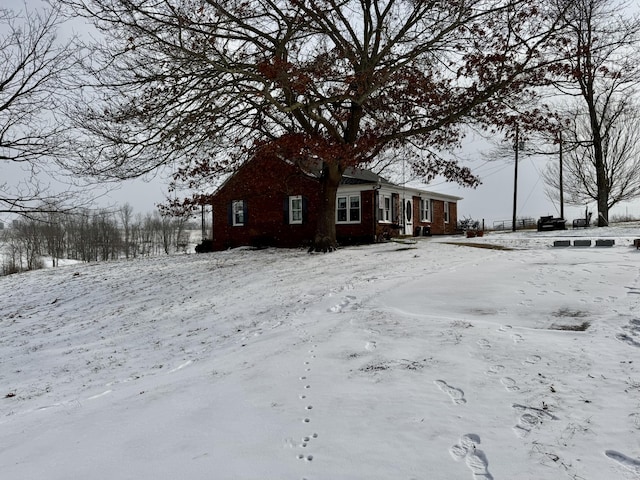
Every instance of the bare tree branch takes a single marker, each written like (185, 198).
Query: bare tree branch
(202, 82)
(34, 69)
(602, 71)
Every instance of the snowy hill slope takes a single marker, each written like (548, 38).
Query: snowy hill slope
(377, 362)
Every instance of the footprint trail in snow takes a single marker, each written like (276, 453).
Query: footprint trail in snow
(476, 460)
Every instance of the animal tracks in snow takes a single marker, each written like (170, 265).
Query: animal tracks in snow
(516, 337)
(476, 460)
(456, 395)
(627, 462)
(308, 408)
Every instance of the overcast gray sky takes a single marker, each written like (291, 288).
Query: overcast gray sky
(491, 201)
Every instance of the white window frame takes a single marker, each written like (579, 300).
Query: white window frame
(384, 205)
(348, 198)
(237, 213)
(446, 212)
(292, 211)
(426, 202)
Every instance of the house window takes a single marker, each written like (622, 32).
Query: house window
(348, 209)
(384, 208)
(446, 212)
(425, 210)
(237, 212)
(295, 209)
(354, 209)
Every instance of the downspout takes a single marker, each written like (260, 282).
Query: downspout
(376, 202)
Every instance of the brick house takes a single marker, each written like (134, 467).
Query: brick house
(271, 202)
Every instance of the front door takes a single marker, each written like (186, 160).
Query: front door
(408, 217)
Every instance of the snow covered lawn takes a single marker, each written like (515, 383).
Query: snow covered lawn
(433, 361)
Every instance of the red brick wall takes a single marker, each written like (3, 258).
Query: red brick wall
(363, 232)
(453, 218)
(264, 184)
(416, 215)
(438, 225)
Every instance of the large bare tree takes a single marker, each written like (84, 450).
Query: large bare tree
(34, 64)
(342, 82)
(602, 72)
(620, 158)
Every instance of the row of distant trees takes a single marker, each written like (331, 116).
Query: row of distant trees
(90, 236)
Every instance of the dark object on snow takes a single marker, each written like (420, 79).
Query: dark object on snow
(582, 243)
(321, 244)
(422, 231)
(205, 246)
(551, 223)
(562, 243)
(605, 242)
(583, 222)
(580, 223)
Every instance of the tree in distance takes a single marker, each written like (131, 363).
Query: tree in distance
(620, 159)
(600, 74)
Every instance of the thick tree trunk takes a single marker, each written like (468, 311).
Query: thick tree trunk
(603, 202)
(325, 237)
(602, 184)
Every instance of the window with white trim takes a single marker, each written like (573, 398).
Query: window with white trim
(425, 210)
(384, 207)
(446, 212)
(237, 212)
(348, 209)
(295, 209)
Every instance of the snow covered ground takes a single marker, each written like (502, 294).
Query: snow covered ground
(390, 361)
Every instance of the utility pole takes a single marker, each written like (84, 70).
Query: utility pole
(516, 147)
(561, 186)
